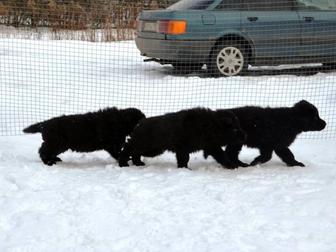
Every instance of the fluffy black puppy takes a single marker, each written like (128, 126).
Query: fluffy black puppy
(274, 129)
(102, 130)
(183, 132)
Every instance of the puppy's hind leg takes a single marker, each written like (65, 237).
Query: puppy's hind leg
(182, 158)
(287, 156)
(265, 155)
(48, 153)
(221, 157)
(233, 153)
(136, 159)
(114, 151)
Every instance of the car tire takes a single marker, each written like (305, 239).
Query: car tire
(330, 65)
(186, 67)
(228, 59)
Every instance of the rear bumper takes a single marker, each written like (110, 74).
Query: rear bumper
(175, 50)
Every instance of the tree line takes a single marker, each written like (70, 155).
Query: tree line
(75, 14)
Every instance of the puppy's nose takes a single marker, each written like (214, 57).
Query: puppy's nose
(323, 124)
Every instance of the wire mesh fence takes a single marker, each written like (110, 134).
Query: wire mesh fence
(62, 57)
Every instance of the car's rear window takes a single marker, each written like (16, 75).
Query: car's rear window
(311, 5)
(191, 5)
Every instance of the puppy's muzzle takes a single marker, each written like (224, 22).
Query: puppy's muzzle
(321, 125)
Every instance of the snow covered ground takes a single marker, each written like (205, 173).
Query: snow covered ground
(88, 203)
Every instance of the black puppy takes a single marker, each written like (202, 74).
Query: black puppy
(102, 130)
(273, 129)
(183, 132)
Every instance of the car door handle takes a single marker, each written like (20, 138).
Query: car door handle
(308, 19)
(252, 19)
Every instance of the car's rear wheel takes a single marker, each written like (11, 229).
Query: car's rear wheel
(228, 59)
(330, 65)
(186, 67)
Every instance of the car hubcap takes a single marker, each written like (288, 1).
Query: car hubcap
(230, 61)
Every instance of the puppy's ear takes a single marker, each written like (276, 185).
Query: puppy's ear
(133, 114)
(306, 108)
(302, 104)
(225, 117)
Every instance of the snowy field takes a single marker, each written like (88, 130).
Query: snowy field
(88, 203)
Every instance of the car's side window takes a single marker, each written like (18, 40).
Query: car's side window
(317, 5)
(270, 5)
(230, 5)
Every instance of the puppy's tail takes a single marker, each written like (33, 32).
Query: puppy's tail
(35, 128)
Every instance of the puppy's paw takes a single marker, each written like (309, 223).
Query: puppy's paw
(50, 162)
(183, 166)
(254, 163)
(230, 166)
(123, 164)
(57, 159)
(242, 164)
(139, 163)
(296, 164)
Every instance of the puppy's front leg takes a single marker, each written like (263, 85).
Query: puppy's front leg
(125, 155)
(182, 158)
(288, 157)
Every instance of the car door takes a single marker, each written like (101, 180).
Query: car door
(274, 28)
(318, 20)
(228, 17)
